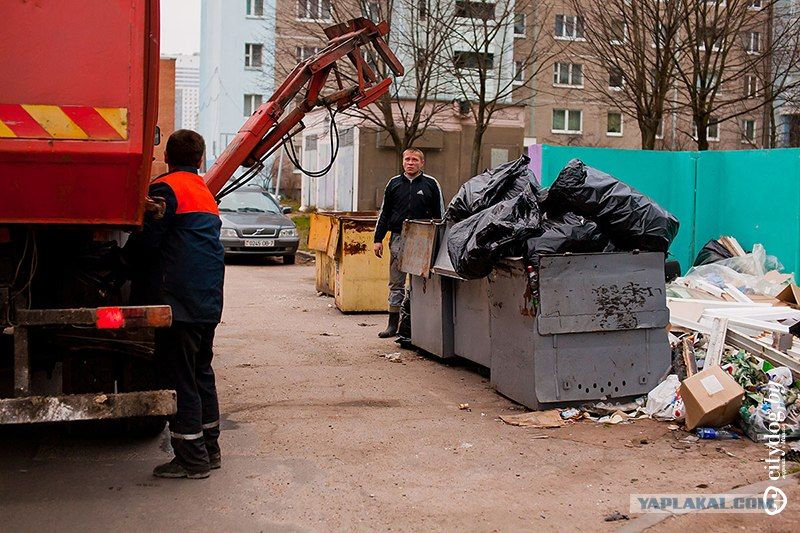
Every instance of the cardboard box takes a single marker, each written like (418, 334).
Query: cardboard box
(790, 295)
(712, 398)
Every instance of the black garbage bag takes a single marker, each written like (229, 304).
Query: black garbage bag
(565, 233)
(630, 219)
(712, 252)
(489, 188)
(477, 243)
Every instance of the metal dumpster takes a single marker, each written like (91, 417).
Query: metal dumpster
(598, 331)
(449, 315)
(432, 300)
(346, 268)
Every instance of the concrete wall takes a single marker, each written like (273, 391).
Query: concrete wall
(447, 158)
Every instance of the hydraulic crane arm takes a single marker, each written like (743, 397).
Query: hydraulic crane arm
(268, 127)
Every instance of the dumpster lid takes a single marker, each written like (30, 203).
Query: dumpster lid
(420, 241)
(601, 292)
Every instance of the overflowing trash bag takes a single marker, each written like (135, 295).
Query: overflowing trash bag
(712, 252)
(476, 243)
(491, 187)
(630, 219)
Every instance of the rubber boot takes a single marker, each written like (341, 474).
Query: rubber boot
(391, 329)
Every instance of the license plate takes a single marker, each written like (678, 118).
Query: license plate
(259, 243)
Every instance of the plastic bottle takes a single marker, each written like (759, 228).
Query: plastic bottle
(713, 433)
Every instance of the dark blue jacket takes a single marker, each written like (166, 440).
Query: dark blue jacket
(178, 260)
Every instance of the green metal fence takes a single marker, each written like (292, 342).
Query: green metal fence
(753, 195)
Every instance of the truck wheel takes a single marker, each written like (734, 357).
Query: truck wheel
(288, 259)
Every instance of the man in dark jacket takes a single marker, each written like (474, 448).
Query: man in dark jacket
(178, 260)
(410, 196)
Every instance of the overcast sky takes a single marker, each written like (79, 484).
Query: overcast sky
(180, 26)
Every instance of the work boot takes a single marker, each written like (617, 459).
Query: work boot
(215, 461)
(391, 329)
(174, 469)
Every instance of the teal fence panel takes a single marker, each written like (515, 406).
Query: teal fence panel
(666, 177)
(753, 195)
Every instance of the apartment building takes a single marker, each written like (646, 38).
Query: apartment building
(237, 66)
(187, 91)
(579, 101)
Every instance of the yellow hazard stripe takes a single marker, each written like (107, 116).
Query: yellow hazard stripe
(55, 121)
(117, 117)
(5, 131)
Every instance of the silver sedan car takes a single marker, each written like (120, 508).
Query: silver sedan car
(254, 224)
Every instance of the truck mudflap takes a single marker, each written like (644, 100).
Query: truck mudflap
(69, 408)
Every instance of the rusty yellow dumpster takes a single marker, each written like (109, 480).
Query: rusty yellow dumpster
(346, 266)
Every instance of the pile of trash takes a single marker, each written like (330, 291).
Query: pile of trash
(734, 317)
(501, 212)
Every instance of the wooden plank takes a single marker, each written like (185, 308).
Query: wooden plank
(736, 294)
(39, 409)
(761, 325)
(689, 358)
(716, 343)
(719, 303)
(689, 324)
(741, 341)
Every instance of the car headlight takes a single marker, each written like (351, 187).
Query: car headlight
(227, 233)
(288, 232)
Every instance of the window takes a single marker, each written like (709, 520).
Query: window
(422, 7)
(708, 35)
(304, 52)
(754, 4)
(473, 61)
(712, 131)
(617, 32)
(615, 79)
(252, 55)
(255, 8)
(519, 71)
(251, 103)
(519, 24)
(475, 10)
(568, 74)
(748, 130)
(569, 27)
(314, 9)
(614, 124)
(753, 42)
(750, 86)
(567, 120)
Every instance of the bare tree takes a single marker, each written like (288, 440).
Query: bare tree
(489, 73)
(411, 106)
(632, 47)
(733, 61)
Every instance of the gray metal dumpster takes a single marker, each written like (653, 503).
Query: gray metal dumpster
(449, 315)
(598, 330)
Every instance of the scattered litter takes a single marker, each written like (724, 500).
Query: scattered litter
(540, 436)
(326, 334)
(464, 407)
(673, 427)
(720, 449)
(366, 325)
(571, 413)
(616, 516)
(466, 445)
(690, 439)
(102, 398)
(664, 401)
(535, 419)
(716, 434)
(395, 357)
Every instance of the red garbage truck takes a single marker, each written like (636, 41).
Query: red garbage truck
(78, 106)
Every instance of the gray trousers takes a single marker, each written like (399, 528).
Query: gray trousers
(397, 279)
